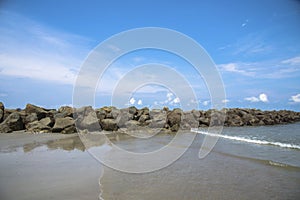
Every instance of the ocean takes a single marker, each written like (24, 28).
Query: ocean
(246, 163)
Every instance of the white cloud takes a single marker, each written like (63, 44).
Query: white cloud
(262, 97)
(205, 103)
(140, 102)
(132, 101)
(176, 100)
(169, 96)
(31, 50)
(295, 98)
(225, 101)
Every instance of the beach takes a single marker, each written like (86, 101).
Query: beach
(56, 166)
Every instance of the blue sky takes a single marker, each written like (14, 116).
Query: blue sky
(255, 45)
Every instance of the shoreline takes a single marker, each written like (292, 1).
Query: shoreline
(67, 120)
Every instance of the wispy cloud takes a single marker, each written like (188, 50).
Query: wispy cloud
(237, 68)
(251, 44)
(292, 61)
(34, 51)
(3, 95)
(271, 69)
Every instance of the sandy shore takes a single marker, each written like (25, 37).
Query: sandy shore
(46, 166)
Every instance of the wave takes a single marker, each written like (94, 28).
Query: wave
(253, 141)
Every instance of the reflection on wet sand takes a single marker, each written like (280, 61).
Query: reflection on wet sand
(80, 142)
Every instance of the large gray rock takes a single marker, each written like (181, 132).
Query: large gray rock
(30, 118)
(109, 124)
(132, 125)
(89, 122)
(174, 119)
(63, 123)
(12, 123)
(158, 119)
(86, 119)
(189, 120)
(40, 112)
(124, 117)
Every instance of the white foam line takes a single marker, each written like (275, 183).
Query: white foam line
(242, 139)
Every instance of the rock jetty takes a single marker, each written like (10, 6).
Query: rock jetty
(67, 120)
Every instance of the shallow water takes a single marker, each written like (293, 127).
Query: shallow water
(62, 168)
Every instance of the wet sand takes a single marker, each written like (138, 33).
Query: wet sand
(46, 166)
(55, 166)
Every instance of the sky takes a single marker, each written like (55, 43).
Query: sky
(255, 46)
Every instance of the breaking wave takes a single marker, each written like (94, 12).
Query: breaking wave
(253, 141)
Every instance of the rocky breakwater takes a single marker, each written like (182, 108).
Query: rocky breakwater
(67, 120)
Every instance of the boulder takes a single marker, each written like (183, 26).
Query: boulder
(156, 123)
(12, 123)
(217, 118)
(143, 118)
(189, 121)
(47, 121)
(7, 112)
(66, 111)
(109, 124)
(86, 119)
(113, 114)
(123, 117)
(158, 119)
(132, 110)
(37, 126)
(1, 112)
(40, 112)
(233, 120)
(89, 122)
(69, 130)
(174, 117)
(63, 123)
(30, 118)
(132, 125)
(204, 121)
(143, 111)
(101, 114)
